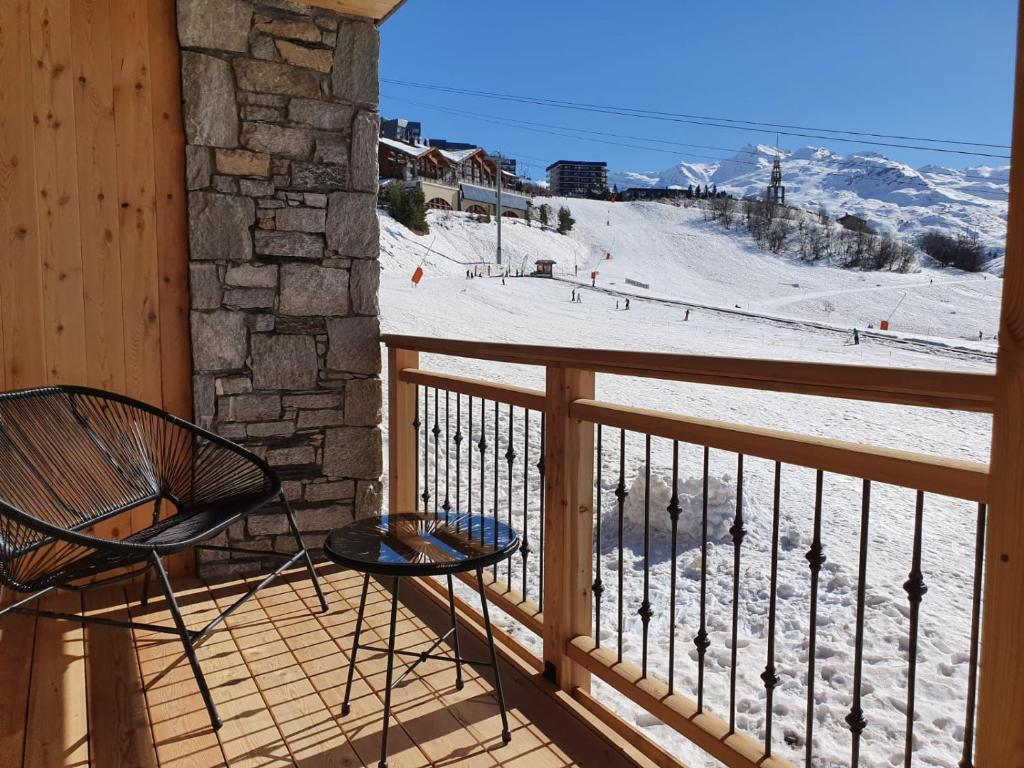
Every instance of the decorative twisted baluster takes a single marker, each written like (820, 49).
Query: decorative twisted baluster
(524, 550)
(673, 516)
(540, 537)
(426, 450)
(620, 494)
(482, 446)
(458, 459)
(700, 640)
(436, 431)
(967, 758)
(815, 559)
(738, 533)
(855, 719)
(447, 505)
(416, 445)
(510, 458)
(645, 611)
(598, 588)
(768, 677)
(915, 588)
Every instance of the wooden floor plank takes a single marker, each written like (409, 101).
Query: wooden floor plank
(181, 728)
(120, 735)
(17, 636)
(310, 732)
(57, 729)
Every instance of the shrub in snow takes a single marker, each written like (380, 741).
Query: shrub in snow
(721, 509)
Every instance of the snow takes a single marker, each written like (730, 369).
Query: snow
(891, 195)
(787, 310)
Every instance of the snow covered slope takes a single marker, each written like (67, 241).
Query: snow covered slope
(889, 194)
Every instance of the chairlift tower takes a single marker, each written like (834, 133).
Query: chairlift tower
(776, 192)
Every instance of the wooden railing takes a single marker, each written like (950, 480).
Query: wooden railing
(565, 615)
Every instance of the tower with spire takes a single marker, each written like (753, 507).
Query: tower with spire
(776, 192)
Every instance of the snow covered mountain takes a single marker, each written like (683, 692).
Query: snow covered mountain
(891, 195)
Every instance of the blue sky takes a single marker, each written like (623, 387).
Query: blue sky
(930, 68)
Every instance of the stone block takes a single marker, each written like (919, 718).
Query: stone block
(208, 93)
(326, 400)
(369, 496)
(308, 289)
(319, 59)
(302, 219)
(255, 112)
(356, 59)
(284, 362)
(249, 298)
(353, 452)
(267, 525)
(227, 185)
(322, 115)
(255, 188)
(364, 285)
(250, 407)
(277, 140)
(295, 245)
(292, 457)
(198, 167)
(322, 176)
(278, 78)
(217, 24)
(252, 276)
(315, 199)
(239, 162)
(363, 157)
(233, 385)
(293, 30)
(271, 429)
(337, 491)
(262, 47)
(320, 518)
(219, 226)
(204, 398)
(362, 402)
(218, 340)
(352, 226)
(331, 149)
(320, 418)
(204, 286)
(259, 323)
(354, 345)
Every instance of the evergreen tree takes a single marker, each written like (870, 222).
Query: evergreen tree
(565, 220)
(689, 192)
(545, 214)
(528, 215)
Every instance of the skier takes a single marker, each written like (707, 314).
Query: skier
(573, 295)
(577, 268)
(686, 316)
(488, 270)
(856, 337)
(981, 336)
(627, 303)
(503, 281)
(616, 305)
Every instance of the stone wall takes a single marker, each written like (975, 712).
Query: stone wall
(280, 112)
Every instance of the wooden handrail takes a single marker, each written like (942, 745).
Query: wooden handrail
(926, 388)
(533, 399)
(933, 474)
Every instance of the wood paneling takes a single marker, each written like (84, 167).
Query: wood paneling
(93, 256)
(93, 234)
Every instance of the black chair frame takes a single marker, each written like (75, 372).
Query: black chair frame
(81, 555)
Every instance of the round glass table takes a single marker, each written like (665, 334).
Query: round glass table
(421, 544)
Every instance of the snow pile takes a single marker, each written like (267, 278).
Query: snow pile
(690, 491)
(891, 195)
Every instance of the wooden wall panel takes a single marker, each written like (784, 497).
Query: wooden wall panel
(93, 233)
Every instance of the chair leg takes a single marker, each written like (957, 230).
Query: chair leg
(186, 641)
(506, 734)
(391, 668)
(455, 636)
(345, 709)
(302, 547)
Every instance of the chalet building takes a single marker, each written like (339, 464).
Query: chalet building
(453, 146)
(451, 180)
(578, 178)
(401, 130)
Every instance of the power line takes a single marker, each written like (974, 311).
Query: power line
(706, 121)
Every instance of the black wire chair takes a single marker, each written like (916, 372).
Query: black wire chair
(71, 457)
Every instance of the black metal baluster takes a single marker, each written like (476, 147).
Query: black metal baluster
(815, 558)
(621, 493)
(426, 449)
(458, 460)
(543, 490)
(598, 588)
(416, 445)
(915, 589)
(700, 640)
(482, 445)
(967, 759)
(524, 550)
(447, 506)
(437, 454)
(855, 720)
(469, 468)
(645, 607)
(738, 533)
(769, 677)
(497, 475)
(673, 515)
(510, 458)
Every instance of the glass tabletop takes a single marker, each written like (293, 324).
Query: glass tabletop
(420, 544)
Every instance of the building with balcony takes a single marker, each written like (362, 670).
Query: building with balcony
(578, 178)
(401, 130)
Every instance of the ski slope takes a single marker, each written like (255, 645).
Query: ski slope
(787, 310)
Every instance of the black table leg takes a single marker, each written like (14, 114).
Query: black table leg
(391, 669)
(455, 636)
(506, 735)
(345, 709)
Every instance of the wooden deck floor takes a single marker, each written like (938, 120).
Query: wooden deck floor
(74, 696)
